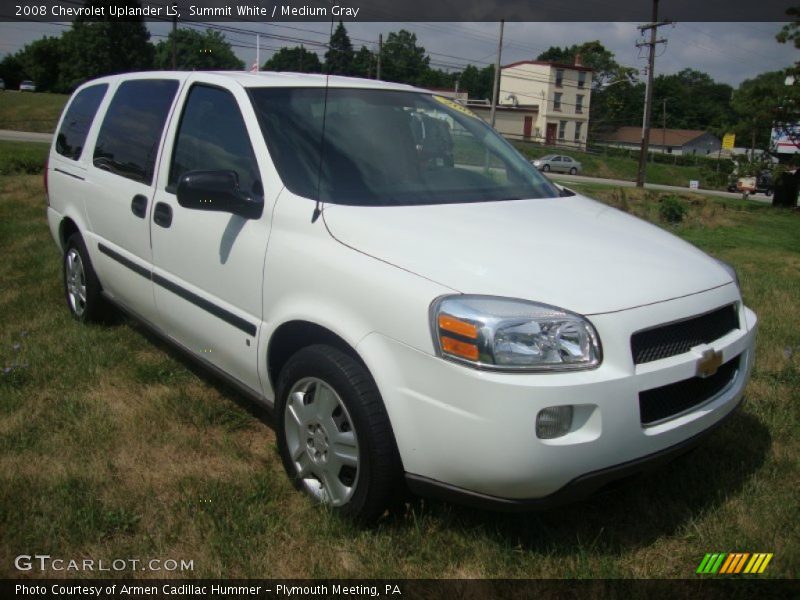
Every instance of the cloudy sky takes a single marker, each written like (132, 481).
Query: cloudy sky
(729, 52)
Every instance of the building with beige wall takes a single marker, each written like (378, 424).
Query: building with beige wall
(561, 92)
(514, 122)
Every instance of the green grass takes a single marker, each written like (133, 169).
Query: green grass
(111, 445)
(22, 158)
(30, 112)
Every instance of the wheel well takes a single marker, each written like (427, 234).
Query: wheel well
(67, 228)
(293, 336)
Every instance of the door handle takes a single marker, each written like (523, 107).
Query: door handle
(139, 205)
(162, 214)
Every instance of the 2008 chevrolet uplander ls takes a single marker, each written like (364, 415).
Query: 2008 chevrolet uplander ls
(414, 299)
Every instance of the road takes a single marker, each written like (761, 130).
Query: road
(25, 136)
(563, 177)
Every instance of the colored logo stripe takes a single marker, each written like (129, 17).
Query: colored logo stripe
(734, 563)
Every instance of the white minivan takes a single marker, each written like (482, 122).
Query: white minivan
(420, 307)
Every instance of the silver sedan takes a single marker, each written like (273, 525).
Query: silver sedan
(557, 163)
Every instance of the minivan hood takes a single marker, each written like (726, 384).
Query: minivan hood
(571, 252)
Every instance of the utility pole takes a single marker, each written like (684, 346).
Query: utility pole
(175, 39)
(258, 53)
(664, 128)
(648, 94)
(380, 51)
(496, 86)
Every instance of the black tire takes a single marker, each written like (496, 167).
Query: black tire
(546, 168)
(573, 171)
(768, 193)
(376, 482)
(92, 308)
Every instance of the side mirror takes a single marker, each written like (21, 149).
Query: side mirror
(217, 191)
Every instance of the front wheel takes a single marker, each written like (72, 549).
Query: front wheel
(334, 436)
(546, 168)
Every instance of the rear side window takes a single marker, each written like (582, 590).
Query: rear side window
(212, 136)
(75, 126)
(128, 140)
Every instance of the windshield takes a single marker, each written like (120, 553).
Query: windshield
(389, 148)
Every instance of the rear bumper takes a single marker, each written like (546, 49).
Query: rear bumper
(579, 488)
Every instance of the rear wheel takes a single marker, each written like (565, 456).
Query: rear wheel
(573, 171)
(81, 286)
(334, 435)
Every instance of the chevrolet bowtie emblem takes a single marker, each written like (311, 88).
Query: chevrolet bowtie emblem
(709, 362)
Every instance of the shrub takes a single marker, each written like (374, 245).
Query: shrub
(672, 210)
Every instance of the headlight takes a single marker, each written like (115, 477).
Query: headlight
(536, 163)
(731, 271)
(512, 335)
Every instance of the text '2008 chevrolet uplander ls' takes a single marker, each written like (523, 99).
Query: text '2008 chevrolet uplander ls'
(412, 297)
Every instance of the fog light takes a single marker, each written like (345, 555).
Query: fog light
(553, 422)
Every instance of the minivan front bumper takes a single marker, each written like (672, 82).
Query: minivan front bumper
(468, 433)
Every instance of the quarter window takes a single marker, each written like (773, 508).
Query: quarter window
(75, 126)
(212, 136)
(128, 141)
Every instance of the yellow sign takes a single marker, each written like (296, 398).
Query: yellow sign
(728, 140)
(456, 106)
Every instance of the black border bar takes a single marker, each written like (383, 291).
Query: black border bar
(267, 11)
(208, 306)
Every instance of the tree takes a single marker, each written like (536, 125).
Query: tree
(12, 71)
(363, 63)
(198, 50)
(41, 62)
(788, 114)
(296, 59)
(402, 60)
(97, 46)
(594, 55)
(477, 82)
(756, 103)
(339, 57)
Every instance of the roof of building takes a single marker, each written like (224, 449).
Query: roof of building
(658, 137)
(522, 108)
(546, 63)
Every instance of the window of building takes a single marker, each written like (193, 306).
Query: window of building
(562, 130)
(581, 79)
(578, 127)
(76, 123)
(559, 77)
(557, 101)
(212, 136)
(127, 144)
(579, 103)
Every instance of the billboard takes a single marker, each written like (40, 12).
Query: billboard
(785, 139)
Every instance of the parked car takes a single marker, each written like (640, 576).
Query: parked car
(557, 163)
(27, 86)
(478, 332)
(2, 86)
(761, 183)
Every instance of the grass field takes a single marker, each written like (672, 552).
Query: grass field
(112, 445)
(30, 112)
(623, 167)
